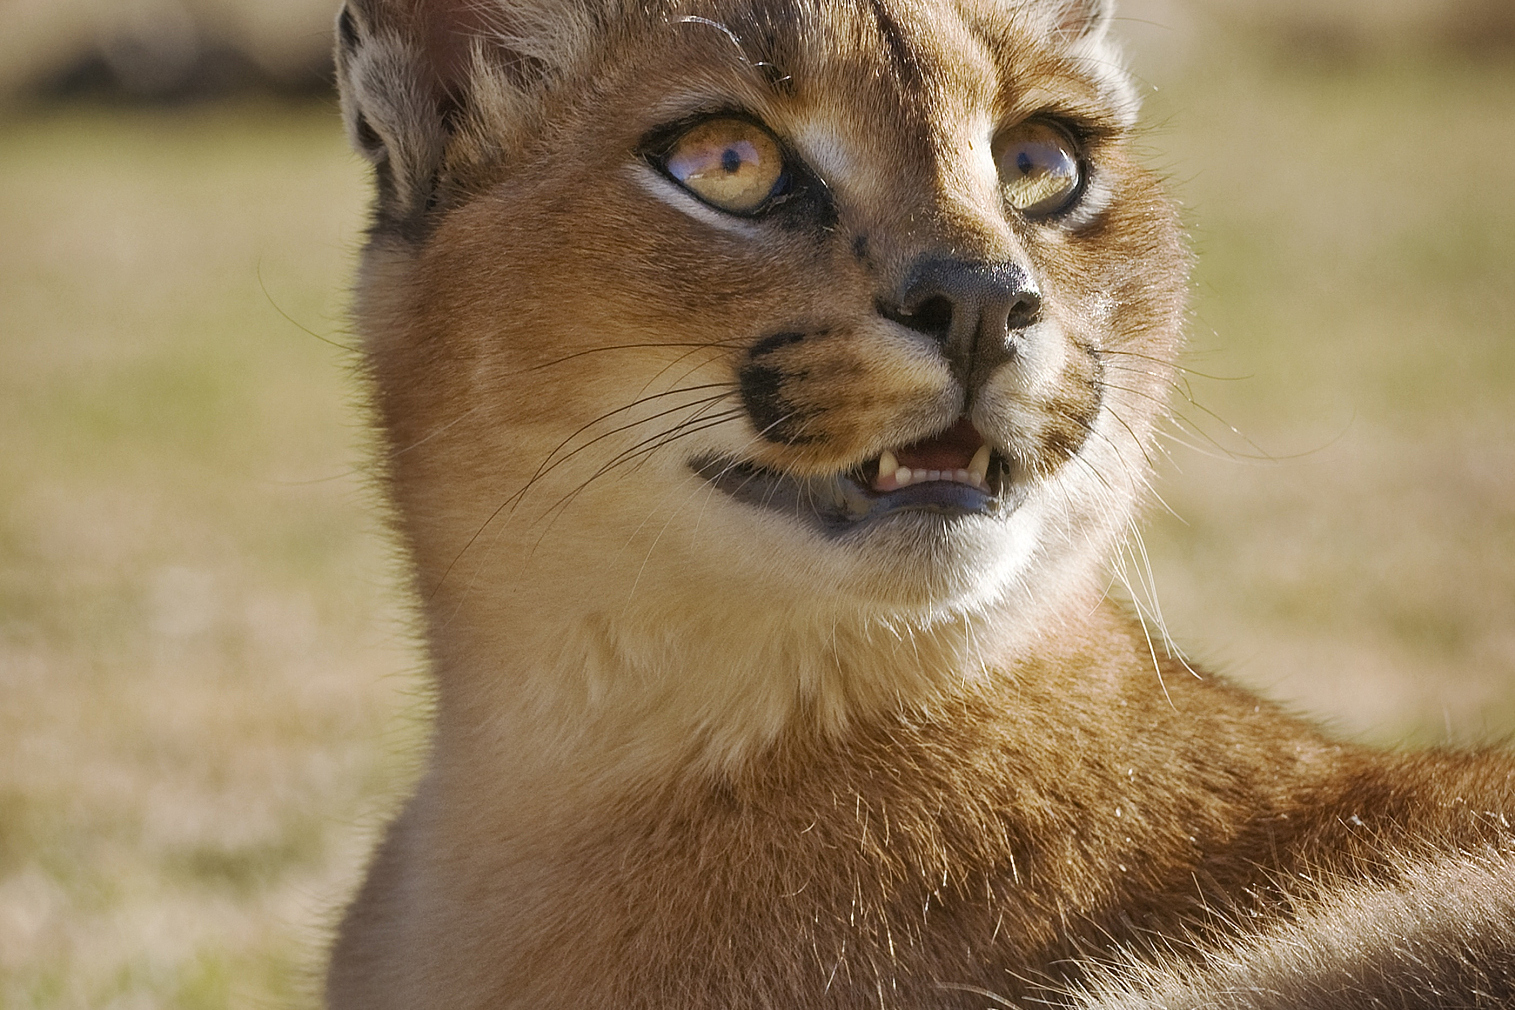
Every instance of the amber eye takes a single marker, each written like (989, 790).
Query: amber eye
(731, 164)
(1039, 168)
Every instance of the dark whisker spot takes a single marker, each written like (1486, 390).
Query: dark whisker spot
(772, 343)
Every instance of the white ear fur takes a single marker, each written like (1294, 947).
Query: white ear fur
(432, 86)
(1085, 20)
(1082, 29)
(391, 110)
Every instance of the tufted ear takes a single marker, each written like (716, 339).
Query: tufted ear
(1084, 20)
(1081, 28)
(431, 89)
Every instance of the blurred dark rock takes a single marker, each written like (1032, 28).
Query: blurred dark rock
(130, 71)
(1345, 33)
(173, 50)
(163, 50)
(1483, 28)
(1322, 35)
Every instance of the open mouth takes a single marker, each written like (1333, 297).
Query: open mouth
(954, 474)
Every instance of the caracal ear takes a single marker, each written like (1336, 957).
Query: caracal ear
(1085, 21)
(433, 89)
(1081, 29)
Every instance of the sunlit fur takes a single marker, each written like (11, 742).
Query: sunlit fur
(688, 753)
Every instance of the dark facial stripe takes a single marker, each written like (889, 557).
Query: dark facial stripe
(901, 56)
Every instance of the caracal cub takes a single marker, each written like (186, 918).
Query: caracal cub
(764, 385)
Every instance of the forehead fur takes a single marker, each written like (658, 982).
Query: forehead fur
(921, 51)
(437, 90)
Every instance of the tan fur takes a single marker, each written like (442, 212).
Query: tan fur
(690, 754)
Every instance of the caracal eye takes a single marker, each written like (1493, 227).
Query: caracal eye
(731, 164)
(1039, 168)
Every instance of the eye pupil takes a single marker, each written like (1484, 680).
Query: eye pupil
(1023, 163)
(731, 161)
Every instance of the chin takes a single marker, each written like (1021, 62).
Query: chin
(917, 563)
(930, 567)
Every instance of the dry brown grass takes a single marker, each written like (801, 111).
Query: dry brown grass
(1356, 247)
(198, 645)
(202, 659)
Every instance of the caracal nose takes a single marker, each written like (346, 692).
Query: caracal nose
(974, 309)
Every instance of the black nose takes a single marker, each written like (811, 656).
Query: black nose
(974, 309)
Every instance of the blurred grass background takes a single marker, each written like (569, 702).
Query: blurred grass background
(206, 693)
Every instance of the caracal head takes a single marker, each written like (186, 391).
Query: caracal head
(860, 309)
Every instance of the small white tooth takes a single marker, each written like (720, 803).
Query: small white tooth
(978, 469)
(933, 475)
(887, 465)
(962, 477)
(903, 475)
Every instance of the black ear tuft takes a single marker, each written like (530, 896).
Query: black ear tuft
(440, 36)
(449, 32)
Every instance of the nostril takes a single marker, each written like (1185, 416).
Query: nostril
(1025, 311)
(933, 316)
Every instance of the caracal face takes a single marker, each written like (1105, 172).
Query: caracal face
(761, 319)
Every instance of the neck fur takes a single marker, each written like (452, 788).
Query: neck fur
(641, 690)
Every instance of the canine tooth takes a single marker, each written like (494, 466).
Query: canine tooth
(978, 469)
(887, 465)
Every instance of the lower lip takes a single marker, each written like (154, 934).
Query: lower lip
(839, 505)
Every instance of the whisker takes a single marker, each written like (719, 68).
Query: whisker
(662, 371)
(364, 470)
(692, 418)
(709, 489)
(621, 410)
(642, 448)
(547, 467)
(295, 322)
(696, 344)
(1175, 366)
(638, 450)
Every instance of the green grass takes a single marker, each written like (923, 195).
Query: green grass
(203, 663)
